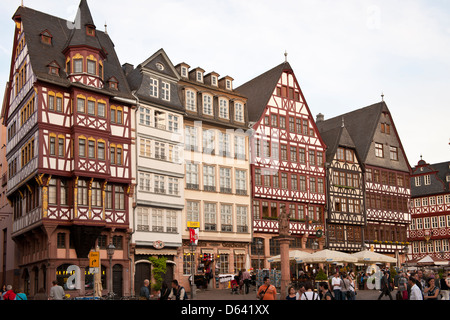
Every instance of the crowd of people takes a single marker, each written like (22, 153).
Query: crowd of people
(56, 293)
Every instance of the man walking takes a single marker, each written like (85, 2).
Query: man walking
(144, 294)
(385, 288)
(336, 285)
(246, 278)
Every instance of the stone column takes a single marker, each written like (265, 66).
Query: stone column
(285, 272)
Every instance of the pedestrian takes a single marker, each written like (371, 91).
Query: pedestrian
(352, 288)
(267, 291)
(385, 287)
(164, 292)
(300, 290)
(403, 286)
(309, 294)
(246, 277)
(345, 287)
(9, 294)
(416, 293)
(41, 295)
(144, 293)
(431, 292)
(336, 285)
(421, 279)
(56, 291)
(445, 286)
(325, 293)
(178, 292)
(20, 295)
(291, 294)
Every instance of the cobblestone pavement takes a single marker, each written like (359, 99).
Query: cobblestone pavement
(225, 294)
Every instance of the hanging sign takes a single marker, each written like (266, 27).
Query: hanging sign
(193, 236)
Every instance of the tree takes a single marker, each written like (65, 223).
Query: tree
(158, 271)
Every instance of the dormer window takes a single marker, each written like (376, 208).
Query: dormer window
(90, 31)
(199, 76)
(228, 82)
(113, 83)
(46, 37)
(214, 81)
(184, 72)
(53, 68)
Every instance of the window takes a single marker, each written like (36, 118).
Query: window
(192, 210)
(173, 123)
(159, 184)
(119, 198)
(165, 91)
(153, 87)
(78, 65)
(417, 182)
(91, 149)
(223, 108)
(101, 110)
(199, 76)
(52, 199)
(173, 186)
(190, 101)
(157, 220)
(101, 150)
(119, 155)
(82, 147)
(226, 218)
(61, 145)
(225, 180)
(191, 175)
(144, 181)
(143, 219)
(209, 178)
(144, 116)
(301, 155)
(224, 144)
(393, 152)
(427, 180)
(239, 147)
(210, 216)
(379, 150)
(241, 219)
(63, 189)
(241, 182)
(208, 141)
(96, 194)
(82, 193)
(91, 107)
(52, 146)
(171, 221)
(207, 105)
(91, 67)
(239, 112)
(191, 138)
(81, 105)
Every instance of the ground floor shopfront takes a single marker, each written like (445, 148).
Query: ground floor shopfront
(213, 263)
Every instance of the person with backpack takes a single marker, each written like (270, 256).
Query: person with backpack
(267, 291)
(325, 292)
(178, 292)
(309, 294)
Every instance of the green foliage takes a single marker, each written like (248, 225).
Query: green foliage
(321, 275)
(158, 271)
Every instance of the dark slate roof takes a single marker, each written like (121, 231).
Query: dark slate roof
(260, 89)
(41, 55)
(438, 177)
(335, 137)
(360, 124)
(140, 81)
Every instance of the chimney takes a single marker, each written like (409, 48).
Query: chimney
(320, 117)
(127, 68)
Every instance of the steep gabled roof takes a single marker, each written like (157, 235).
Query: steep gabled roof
(41, 55)
(260, 89)
(360, 124)
(335, 137)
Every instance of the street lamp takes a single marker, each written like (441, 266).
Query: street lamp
(110, 251)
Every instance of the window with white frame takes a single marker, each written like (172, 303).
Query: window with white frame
(191, 175)
(417, 181)
(419, 223)
(209, 178)
(437, 245)
(427, 180)
(199, 76)
(145, 147)
(441, 221)
(190, 138)
(448, 221)
(440, 200)
(417, 203)
(432, 201)
(144, 116)
(239, 112)
(207, 105)
(225, 180)
(223, 108)
(226, 218)
(174, 154)
(241, 219)
(447, 198)
(160, 150)
(224, 144)
(173, 186)
(434, 222)
(214, 81)
(415, 247)
(143, 219)
(412, 225)
(173, 122)
(426, 222)
(208, 143)
(154, 87)
(144, 181)
(159, 184)
(239, 147)
(241, 182)
(210, 212)
(171, 221)
(445, 245)
(425, 201)
(157, 220)
(190, 100)
(192, 210)
(165, 91)
(184, 72)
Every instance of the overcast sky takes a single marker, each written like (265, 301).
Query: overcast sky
(344, 53)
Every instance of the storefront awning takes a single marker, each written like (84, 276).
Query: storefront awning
(210, 251)
(239, 252)
(156, 252)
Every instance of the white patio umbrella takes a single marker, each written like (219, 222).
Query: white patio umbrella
(296, 255)
(331, 256)
(367, 256)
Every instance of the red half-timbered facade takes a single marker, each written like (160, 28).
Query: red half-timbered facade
(287, 161)
(69, 115)
(429, 231)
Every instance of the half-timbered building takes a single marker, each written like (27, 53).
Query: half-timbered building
(159, 193)
(345, 217)
(287, 162)
(68, 114)
(216, 158)
(387, 191)
(429, 231)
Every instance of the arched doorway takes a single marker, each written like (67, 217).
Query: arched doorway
(118, 280)
(143, 271)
